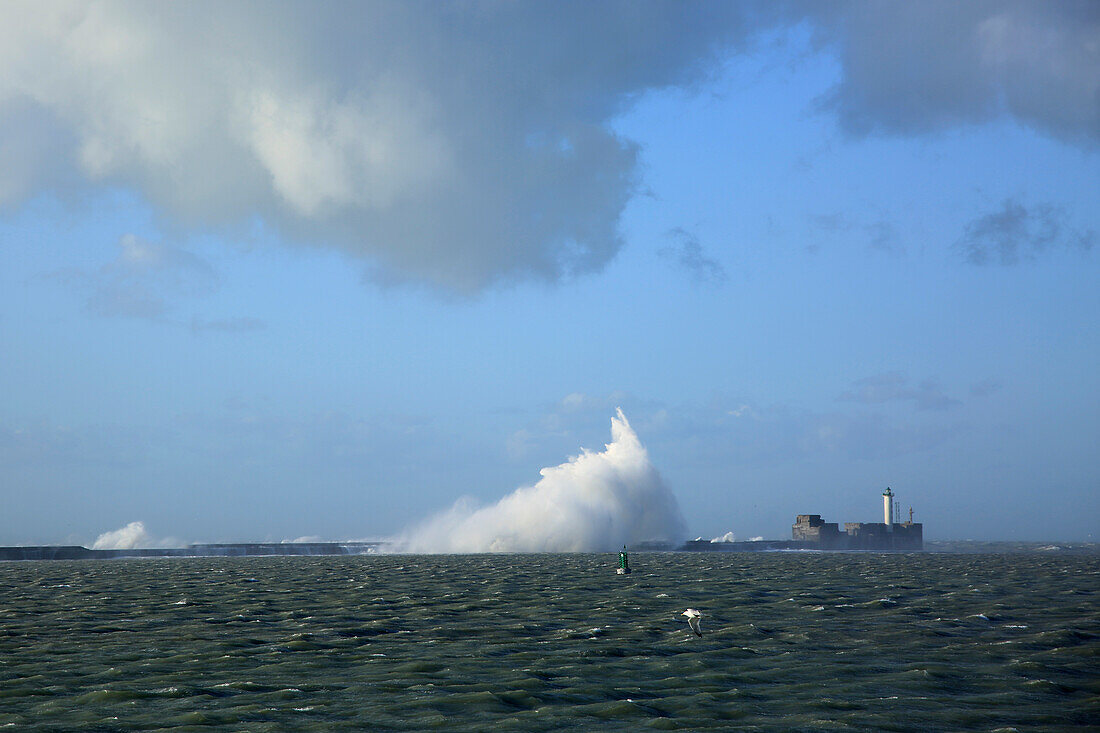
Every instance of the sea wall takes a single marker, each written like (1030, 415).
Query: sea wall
(255, 549)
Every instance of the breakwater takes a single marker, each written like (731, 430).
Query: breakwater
(235, 549)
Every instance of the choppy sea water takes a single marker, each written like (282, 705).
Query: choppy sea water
(792, 641)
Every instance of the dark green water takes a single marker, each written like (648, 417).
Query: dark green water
(792, 641)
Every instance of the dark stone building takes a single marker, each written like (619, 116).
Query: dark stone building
(821, 535)
(812, 528)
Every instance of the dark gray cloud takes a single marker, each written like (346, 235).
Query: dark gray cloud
(896, 387)
(1016, 232)
(688, 254)
(920, 67)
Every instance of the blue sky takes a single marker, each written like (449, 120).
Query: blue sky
(268, 272)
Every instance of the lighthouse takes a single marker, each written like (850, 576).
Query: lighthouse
(888, 509)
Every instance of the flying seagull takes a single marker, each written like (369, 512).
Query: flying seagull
(693, 620)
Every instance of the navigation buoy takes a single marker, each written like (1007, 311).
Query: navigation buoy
(624, 566)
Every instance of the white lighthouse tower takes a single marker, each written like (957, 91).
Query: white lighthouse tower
(888, 509)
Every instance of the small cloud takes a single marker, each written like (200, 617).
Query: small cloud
(227, 325)
(688, 254)
(930, 396)
(879, 388)
(143, 279)
(985, 388)
(884, 237)
(140, 280)
(518, 444)
(659, 418)
(1017, 232)
(895, 387)
(112, 299)
(832, 223)
(573, 401)
(157, 265)
(595, 405)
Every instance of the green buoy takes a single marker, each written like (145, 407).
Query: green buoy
(624, 566)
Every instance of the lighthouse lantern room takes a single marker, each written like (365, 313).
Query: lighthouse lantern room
(888, 509)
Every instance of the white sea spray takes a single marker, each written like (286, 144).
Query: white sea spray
(595, 501)
(132, 536)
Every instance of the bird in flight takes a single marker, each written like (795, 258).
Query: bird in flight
(693, 620)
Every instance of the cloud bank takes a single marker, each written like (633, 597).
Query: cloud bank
(593, 502)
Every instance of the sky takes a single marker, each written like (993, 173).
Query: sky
(283, 270)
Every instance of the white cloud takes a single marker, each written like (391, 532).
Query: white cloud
(324, 156)
(456, 144)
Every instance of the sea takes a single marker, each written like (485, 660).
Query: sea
(997, 639)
